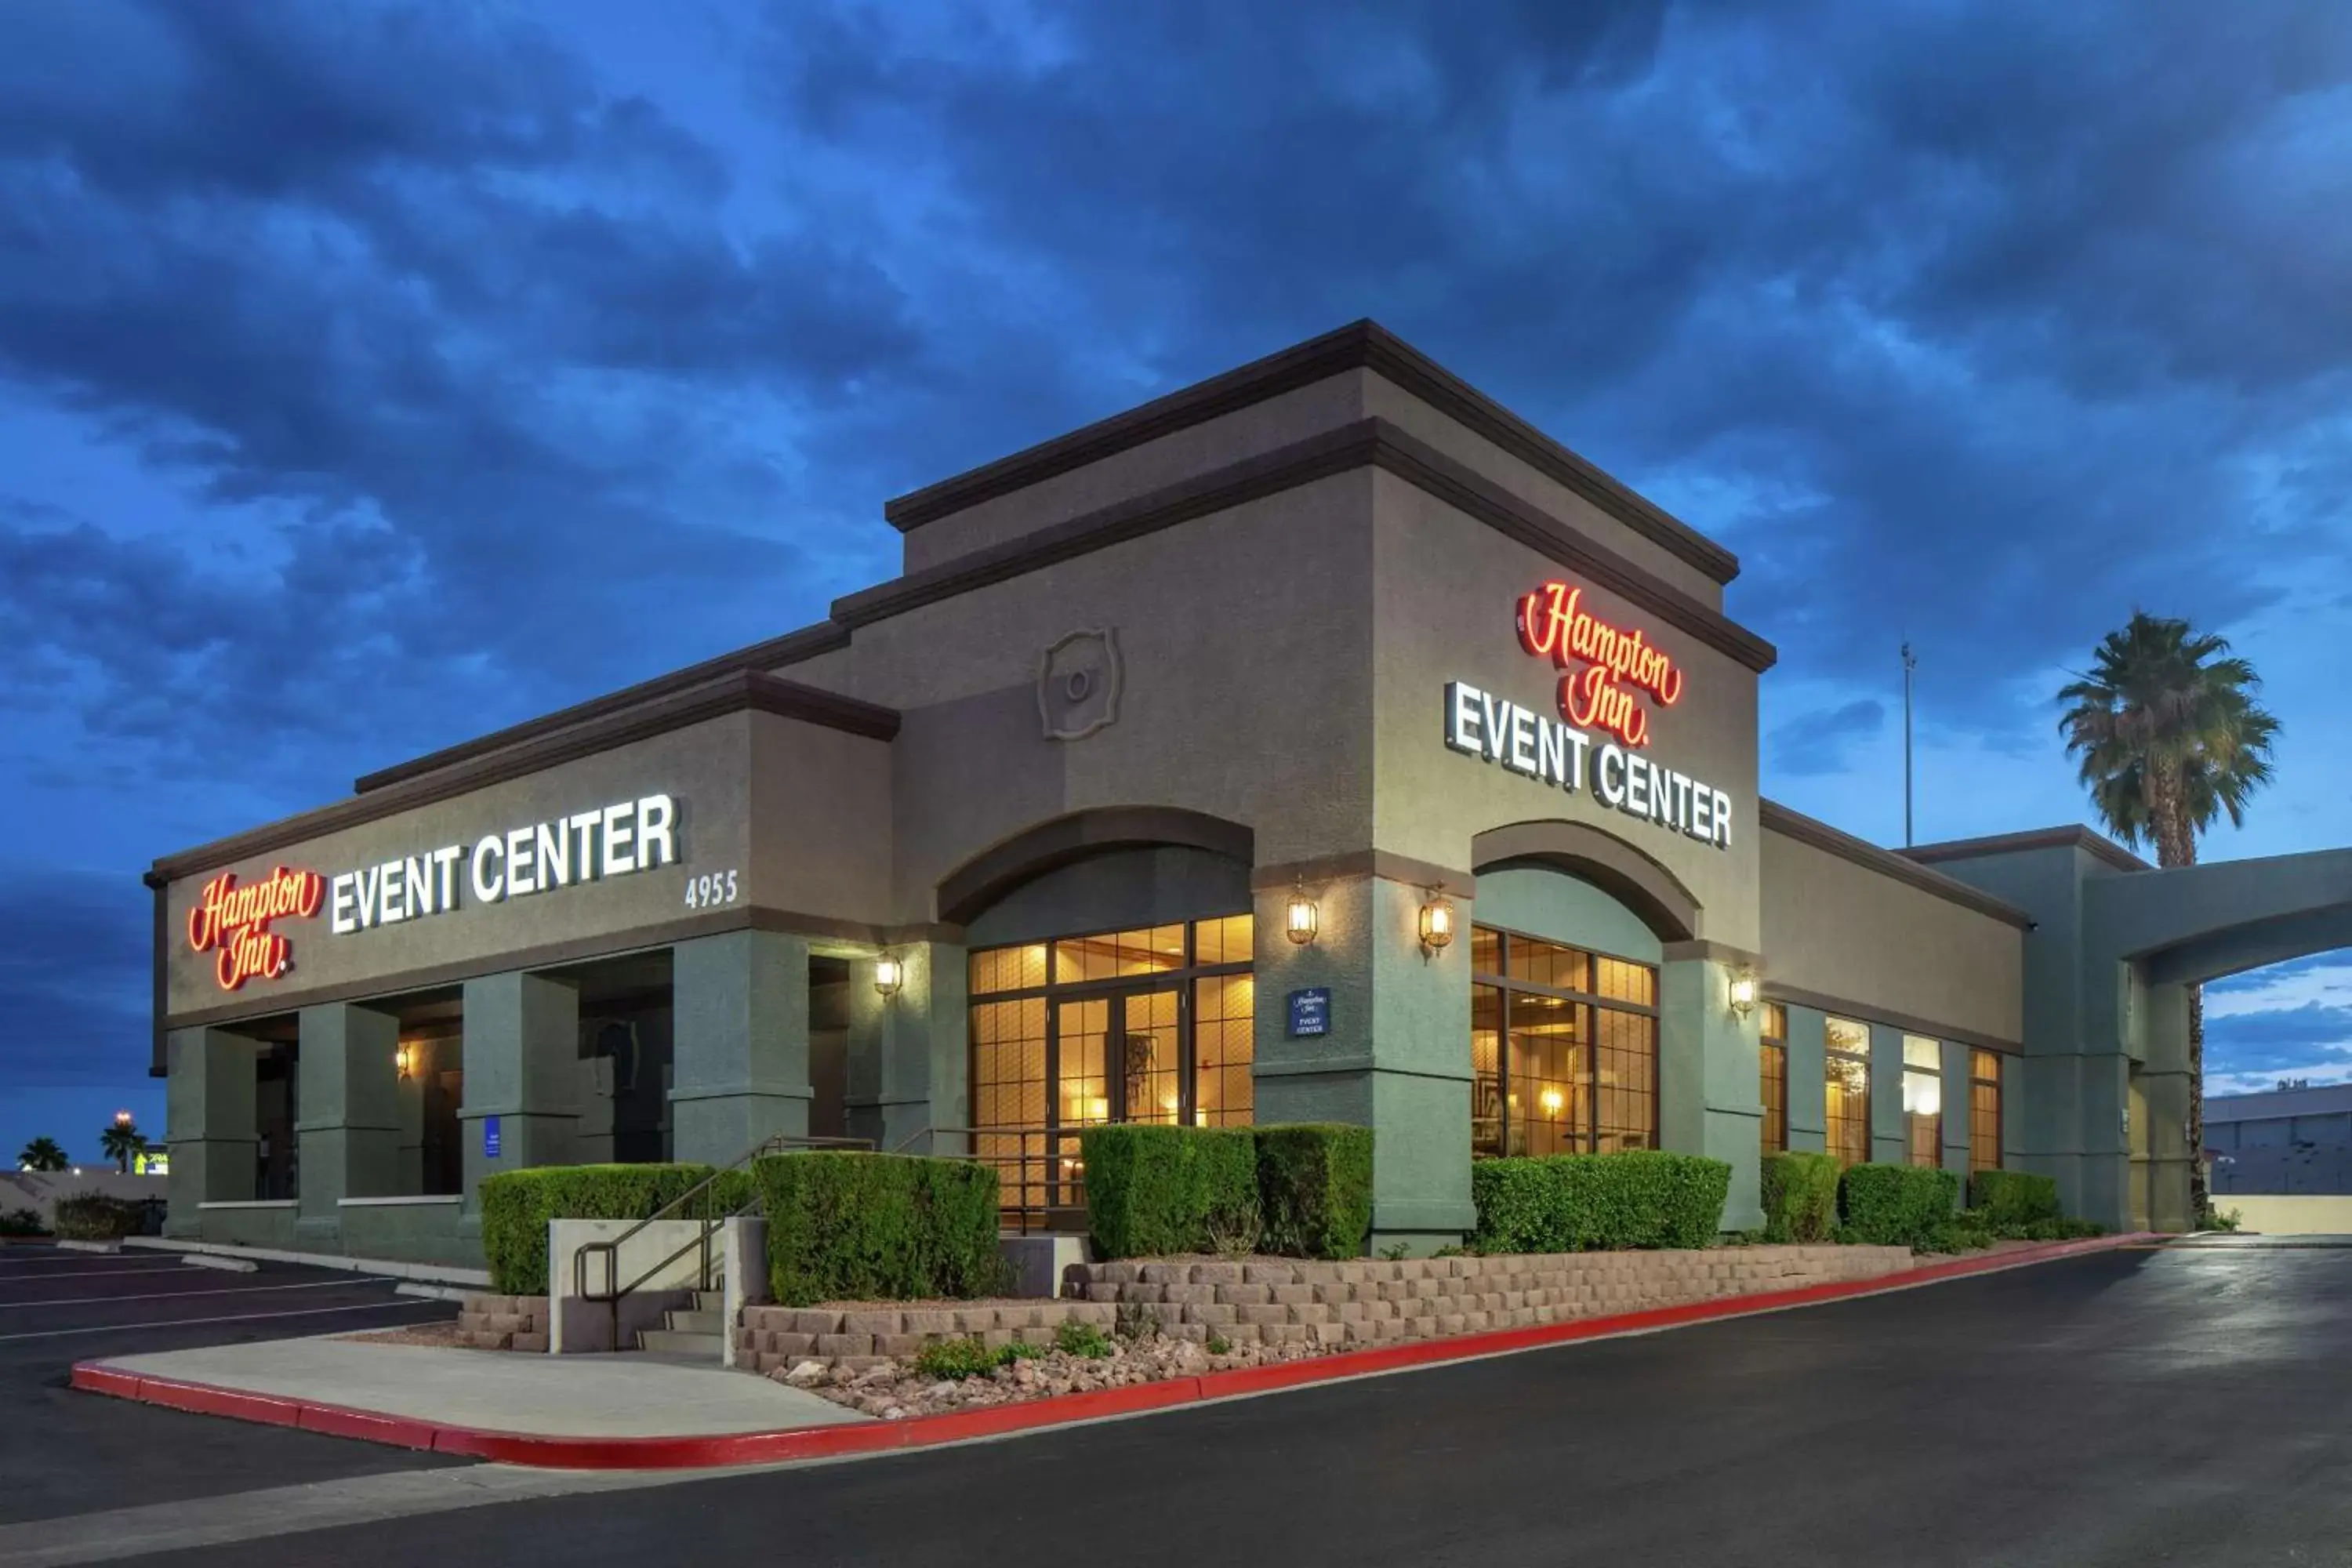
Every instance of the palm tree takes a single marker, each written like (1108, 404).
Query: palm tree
(120, 1140)
(43, 1154)
(2168, 737)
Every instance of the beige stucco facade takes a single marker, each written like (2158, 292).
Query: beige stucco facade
(1190, 663)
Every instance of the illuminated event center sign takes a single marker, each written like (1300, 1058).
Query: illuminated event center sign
(233, 922)
(1613, 678)
(594, 846)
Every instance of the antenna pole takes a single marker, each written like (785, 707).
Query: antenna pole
(1910, 663)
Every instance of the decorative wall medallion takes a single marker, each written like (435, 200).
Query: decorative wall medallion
(1077, 684)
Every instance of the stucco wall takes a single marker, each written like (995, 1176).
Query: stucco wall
(1447, 590)
(1842, 931)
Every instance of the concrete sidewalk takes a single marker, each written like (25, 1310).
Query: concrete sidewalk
(631, 1395)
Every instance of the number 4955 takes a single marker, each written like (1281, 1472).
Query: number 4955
(710, 889)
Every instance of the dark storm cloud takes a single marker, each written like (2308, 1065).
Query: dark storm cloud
(74, 966)
(1822, 742)
(1963, 330)
(2312, 1036)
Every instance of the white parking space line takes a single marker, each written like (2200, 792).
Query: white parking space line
(200, 1322)
(177, 1295)
(94, 1274)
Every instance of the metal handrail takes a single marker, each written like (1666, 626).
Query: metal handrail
(709, 1226)
(1027, 1216)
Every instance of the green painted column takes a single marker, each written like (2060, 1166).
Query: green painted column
(347, 1120)
(739, 1055)
(1397, 1054)
(209, 1123)
(1809, 1104)
(1887, 1144)
(2165, 1084)
(1955, 1113)
(1710, 1100)
(910, 1053)
(522, 1055)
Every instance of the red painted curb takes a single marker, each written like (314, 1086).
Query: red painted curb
(852, 1438)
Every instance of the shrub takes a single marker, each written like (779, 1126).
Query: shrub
(1801, 1194)
(2013, 1198)
(1574, 1202)
(1082, 1339)
(955, 1359)
(857, 1226)
(516, 1205)
(1897, 1205)
(94, 1216)
(1154, 1189)
(22, 1222)
(1314, 1186)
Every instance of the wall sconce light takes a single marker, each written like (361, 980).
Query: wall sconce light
(1743, 991)
(1436, 921)
(890, 974)
(403, 1061)
(1299, 920)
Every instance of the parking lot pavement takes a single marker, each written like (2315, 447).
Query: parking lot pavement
(63, 1452)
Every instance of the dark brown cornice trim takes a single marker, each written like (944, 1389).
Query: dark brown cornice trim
(2068, 837)
(1366, 443)
(735, 693)
(1362, 345)
(1778, 818)
(1868, 1013)
(612, 945)
(789, 648)
(1380, 863)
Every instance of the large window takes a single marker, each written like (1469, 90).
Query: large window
(1923, 1100)
(1772, 1063)
(1152, 1025)
(1984, 1110)
(1846, 1076)
(1563, 1049)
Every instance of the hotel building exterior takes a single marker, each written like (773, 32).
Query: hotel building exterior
(1321, 742)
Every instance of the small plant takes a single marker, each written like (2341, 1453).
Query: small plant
(1394, 1254)
(2220, 1219)
(1081, 1340)
(952, 1361)
(1019, 1350)
(1455, 1249)
(1235, 1230)
(1136, 1320)
(1220, 1345)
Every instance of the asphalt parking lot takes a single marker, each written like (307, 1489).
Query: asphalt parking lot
(63, 1452)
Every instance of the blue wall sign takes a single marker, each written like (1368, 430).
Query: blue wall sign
(490, 1137)
(1310, 1011)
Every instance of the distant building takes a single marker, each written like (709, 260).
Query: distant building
(2292, 1138)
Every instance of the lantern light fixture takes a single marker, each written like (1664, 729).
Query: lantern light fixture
(1743, 991)
(890, 974)
(404, 1060)
(1436, 921)
(1300, 919)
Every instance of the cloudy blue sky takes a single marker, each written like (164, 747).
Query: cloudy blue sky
(372, 376)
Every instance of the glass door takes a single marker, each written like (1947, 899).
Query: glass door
(1152, 1077)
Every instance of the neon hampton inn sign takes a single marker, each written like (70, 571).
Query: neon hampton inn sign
(233, 922)
(1619, 669)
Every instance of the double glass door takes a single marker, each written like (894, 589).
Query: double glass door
(1120, 1058)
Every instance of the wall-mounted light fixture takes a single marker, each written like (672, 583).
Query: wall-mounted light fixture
(1436, 921)
(1299, 921)
(404, 1060)
(1743, 991)
(890, 974)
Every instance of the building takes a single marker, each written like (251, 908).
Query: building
(1321, 742)
(2292, 1141)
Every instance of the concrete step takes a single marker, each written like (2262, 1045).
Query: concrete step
(710, 1300)
(706, 1320)
(677, 1341)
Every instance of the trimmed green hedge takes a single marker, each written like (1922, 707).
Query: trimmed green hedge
(1153, 1189)
(2014, 1198)
(516, 1205)
(1897, 1205)
(95, 1216)
(1800, 1198)
(845, 1226)
(1577, 1203)
(1315, 1188)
